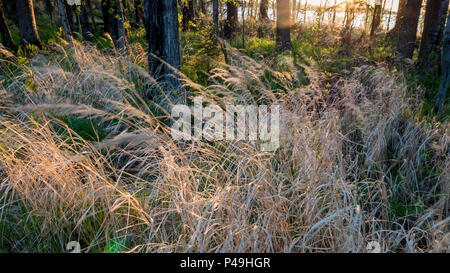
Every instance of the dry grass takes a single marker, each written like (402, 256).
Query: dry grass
(360, 169)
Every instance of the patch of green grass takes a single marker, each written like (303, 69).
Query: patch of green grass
(85, 128)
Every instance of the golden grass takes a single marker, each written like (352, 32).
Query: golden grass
(357, 170)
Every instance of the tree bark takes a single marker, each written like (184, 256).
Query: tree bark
(215, 4)
(263, 6)
(84, 20)
(69, 15)
(119, 35)
(65, 23)
(440, 100)
(161, 23)
(107, 23)
(91, 13)
(7, 39)
(432, 33)
(283, 25)
(376, 18)
(27, 23)
(408, 29)
(398, 21)
(232, 17)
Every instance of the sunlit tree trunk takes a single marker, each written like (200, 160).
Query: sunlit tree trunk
(7, 39)
(376, 19)
(283, 25)
(27, 23)
(432, 33)
(408, 29)
(305, 11)
(440, 100)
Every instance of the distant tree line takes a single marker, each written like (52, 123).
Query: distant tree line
(160, 18)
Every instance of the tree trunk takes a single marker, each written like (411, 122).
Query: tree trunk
(7, 39)
(91, 13)
(188, 14)
(215, 4)
(408, 28)
(432, 33)
(119, 35)
(398, 21)
(263, 6)
(27, 23)
(440, 100)
(376, 18)
(243, 24)
(84, 20)
(107, 23)
(161, 23)
(232, 16)
(65, 23)
(69, 15)
(283, 25)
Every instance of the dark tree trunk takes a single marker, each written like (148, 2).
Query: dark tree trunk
(408, 29)
(118, 31)
(283, 25)
(263, 6)
(215, 4)
(10, 9)
(106, 14)
(440, 100)
(69, 14)
(65, 23)
(188, 14)
(376, 18)
(161, 23)
(139, 13)
(27, 23)
(7, 39)
(91, 13)
(84, 20)
(398, 21)
(432, 33)
(232, 17)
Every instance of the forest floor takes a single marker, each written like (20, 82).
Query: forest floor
(87, 154)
